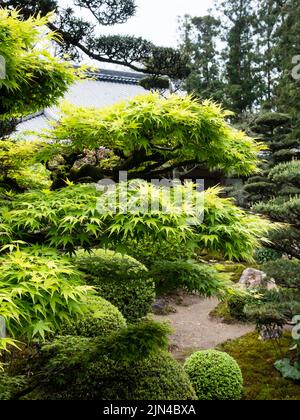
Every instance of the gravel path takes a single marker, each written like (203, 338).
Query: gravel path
(194, 329)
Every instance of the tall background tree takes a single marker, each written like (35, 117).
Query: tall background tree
(199, 39)
(82, 36)
(269, 18)
(222, 55)
(239, 54)
(288, 47)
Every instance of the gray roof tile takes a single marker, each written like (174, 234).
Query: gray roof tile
(109, 88)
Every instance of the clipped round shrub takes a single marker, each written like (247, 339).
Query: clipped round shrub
(100, 377)
(102, 318)
(214, 375)
(120, 279)
(157, 377)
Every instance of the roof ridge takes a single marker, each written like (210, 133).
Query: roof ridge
(116, 79)
(30, 116)
(117, 76)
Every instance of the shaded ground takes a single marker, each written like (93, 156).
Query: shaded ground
(195, 329)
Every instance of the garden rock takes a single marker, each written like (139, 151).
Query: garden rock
(162, 307)
(253, 279)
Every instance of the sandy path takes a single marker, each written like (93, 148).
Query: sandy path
(194, 329)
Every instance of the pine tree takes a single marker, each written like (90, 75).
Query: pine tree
(199, 38)
(240, 55)
(271, 128)
(288, 51)
(269, 14)
(277, 193)
(275, 190)
(81, 37)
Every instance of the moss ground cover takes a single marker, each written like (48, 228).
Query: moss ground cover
(256, 359)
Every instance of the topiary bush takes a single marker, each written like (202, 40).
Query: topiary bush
(277, 307)
(155, 82)
(259, 187)
(200, 278)
(214, 375)
(120, 279)
(90, 374)
(286, 173)
(101, 319)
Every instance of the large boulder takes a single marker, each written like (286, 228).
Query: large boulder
(255, 279)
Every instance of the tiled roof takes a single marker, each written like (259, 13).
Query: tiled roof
(118, 76)
(106, 88)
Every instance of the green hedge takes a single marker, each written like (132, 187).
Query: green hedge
(200, 278)
(120, 279)
(101, 319)
(156, 377)
(214, 375)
